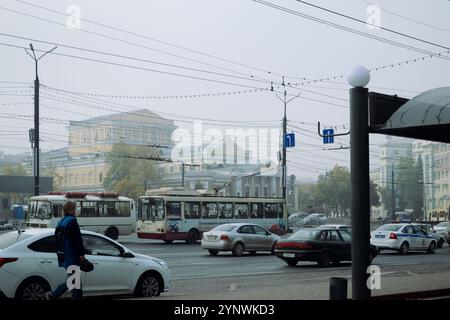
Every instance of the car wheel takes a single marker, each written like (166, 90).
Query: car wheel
(32, 289)
(432, 247)
(238, 249)
(404, 248)
(192, 237)
(213, 252)
(112, 233)
(324, 260)
(440, 243)
(291, 263)
(149, 285)
(168, 241)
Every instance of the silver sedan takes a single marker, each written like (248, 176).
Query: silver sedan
(239, 238)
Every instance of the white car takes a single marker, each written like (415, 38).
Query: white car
(439, 236)
(29, 267)
(402, 237)
(442, 227)
(336, 226)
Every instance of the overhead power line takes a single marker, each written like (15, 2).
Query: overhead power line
(157, 40)
(351, 30)
(380, 27)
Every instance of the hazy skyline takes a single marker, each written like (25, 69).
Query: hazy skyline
(242, 31)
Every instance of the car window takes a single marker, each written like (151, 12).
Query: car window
(246, 229)
(10, 238)
(389, 227)
(225, 227)
(47, 244)
(408, 229)
(259, 230)
(345, 235)
(333, 236)
(94, 245)
(418, 230)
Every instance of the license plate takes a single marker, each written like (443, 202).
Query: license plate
(379, 236)
(211, 237)
(289, 255)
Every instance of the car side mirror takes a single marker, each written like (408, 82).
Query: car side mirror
(127, 254)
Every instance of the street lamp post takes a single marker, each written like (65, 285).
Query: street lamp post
(360, 181)
(35, 133)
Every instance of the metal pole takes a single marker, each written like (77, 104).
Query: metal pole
(284, 149)
(36, 133)
(182, 174)
(360, 186)
(393, 192)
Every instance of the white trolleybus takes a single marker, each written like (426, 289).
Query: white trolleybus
(103, 212)
(169, 215)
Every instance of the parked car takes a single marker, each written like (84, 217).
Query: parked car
(296, 218)
(321, 245)
(442, 227)
(403, 237)
(29, 267)
(239, 238)
(344, 227)
(438, 236)
(314, 220)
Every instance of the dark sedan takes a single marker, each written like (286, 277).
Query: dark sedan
(324, 246)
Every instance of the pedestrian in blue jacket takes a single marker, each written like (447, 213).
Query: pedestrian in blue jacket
(70, 249)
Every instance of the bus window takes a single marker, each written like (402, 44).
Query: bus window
(241, 211)
(256, 211)
(89, 209)
(192, 210)
(209, 210)
(225, 210)
(57, 210)
(280, 211)
(151, 209)
(271, 210)
(173, 210)
(123, 209)
(43, 210)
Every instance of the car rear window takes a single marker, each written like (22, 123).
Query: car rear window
(390, 227)
(10, 238)
(224, 227)
(305, 234)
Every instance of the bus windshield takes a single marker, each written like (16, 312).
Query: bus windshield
(40, 210)
(151, 209)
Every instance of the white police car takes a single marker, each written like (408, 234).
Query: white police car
(402, 237)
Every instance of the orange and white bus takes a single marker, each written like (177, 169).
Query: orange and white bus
(169, 215)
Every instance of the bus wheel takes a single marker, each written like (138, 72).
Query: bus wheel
(112, 233)
(192, 236)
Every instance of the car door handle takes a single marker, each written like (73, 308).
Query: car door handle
(45, 261)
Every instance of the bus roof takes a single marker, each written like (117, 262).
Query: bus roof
(79, 195)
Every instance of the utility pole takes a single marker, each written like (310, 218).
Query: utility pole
(283, 154)
(393, 191)
(36, 117)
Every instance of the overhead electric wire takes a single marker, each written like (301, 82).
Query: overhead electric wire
(157, 40)
(354, 31)
(125, 41)
(370, 24)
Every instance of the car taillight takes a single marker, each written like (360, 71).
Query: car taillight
(6, 260)
(393, 236)
(304, 245)
(224, 237)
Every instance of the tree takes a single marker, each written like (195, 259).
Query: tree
(131, 171)
(374, 195)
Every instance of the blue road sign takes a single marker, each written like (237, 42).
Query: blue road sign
(328, 136)
(289, 140)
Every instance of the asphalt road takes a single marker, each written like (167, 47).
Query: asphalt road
(197, 275)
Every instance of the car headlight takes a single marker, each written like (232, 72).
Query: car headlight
(162, 262)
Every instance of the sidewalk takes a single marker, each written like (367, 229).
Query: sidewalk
(318, 289)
